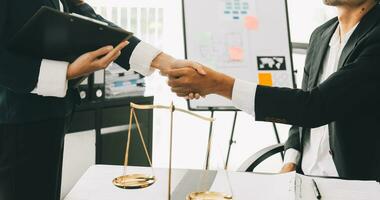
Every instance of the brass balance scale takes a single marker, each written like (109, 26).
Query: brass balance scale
(139, 181)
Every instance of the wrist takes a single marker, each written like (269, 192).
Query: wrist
(288, 167)
(224, 85)
(69, 74)
(162, 61)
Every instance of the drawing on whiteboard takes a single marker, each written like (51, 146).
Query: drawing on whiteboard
(222, 49)
(251, 22)
(271, 63)
(236, 53)
(205, 38)
(232, 46)
(234, 39)
(236, 9)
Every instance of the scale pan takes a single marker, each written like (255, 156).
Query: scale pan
(208, 196)
(134, 181)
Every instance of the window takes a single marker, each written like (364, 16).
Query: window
(304, 17)
(140, 18)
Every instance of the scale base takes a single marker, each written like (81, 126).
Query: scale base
(134, 181)
(208, 196)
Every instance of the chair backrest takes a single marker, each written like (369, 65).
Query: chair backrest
(252, 162)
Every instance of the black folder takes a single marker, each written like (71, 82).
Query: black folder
(51, 34)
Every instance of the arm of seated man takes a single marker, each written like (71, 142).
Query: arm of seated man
(291, 160)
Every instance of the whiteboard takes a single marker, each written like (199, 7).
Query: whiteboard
(246, 39)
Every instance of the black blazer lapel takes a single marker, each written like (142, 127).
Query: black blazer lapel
(55, 3)
(366, 25)
(320, 54)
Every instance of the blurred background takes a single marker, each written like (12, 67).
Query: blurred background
(159, 22)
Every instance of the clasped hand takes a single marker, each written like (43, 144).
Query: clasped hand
(186, 81)
(181, 72)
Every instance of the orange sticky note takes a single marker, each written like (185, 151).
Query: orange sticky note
(236, 53)
(251, 22)
(265, 79)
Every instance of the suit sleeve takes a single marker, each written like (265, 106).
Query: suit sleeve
(294, 132)
(293, 141)
(18, 73)
(355, 88)
(124, 59)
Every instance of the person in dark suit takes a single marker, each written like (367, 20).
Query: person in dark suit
(336, 114)
(37, 101)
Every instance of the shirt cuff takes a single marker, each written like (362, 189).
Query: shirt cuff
(243, 96)
(52, 81)
(142, 57)
(292, 156)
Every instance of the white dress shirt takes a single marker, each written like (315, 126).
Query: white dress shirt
(316, 157)
(52, 80)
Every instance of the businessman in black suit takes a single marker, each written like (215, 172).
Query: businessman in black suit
(36, 101)
(336, 115)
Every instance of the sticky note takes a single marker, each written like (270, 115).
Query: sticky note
(251, 23)
(265, 79)
(205, 38)
(236, 53)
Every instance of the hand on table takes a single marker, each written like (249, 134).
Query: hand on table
(94, 61)
(288, 167)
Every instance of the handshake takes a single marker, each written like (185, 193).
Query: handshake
(192, 80)
(186, 78)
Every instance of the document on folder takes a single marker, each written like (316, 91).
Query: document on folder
(292, 186)
(61, 36)
(331, 188)
(259, 186)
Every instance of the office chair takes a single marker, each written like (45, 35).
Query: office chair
(252, 162)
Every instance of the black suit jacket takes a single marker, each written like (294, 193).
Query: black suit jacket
(348, 101)
(19, 73)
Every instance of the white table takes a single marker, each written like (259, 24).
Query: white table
(96, 184)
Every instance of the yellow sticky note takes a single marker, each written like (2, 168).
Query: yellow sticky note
(251, 23)
(236, 53)
(265, 79)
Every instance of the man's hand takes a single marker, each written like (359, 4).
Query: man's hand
(94, 61)
(185, 81)
(288, 167)
(165, 63)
